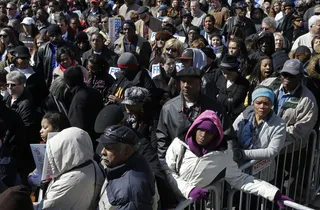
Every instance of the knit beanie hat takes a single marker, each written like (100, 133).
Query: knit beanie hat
(127, 60)
(73, 76)
(208, 125)
(14, 198)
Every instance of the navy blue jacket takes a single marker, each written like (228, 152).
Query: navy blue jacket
(131, 185)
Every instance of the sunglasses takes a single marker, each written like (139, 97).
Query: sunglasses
(10, 8)
(285, 74)
(317, 13)
(161, 39)
(4, 35)
(171, 49)
(12, 85)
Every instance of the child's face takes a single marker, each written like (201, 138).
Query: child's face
(169, 66)
(46, 128)
(215, 41)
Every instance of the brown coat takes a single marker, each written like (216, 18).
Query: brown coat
(221, 15)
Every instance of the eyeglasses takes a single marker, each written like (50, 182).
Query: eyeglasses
(317, 13)
(4, 35)
(12, 85)
(171, 49)
(104, 21)
(264, 29)
(10, 8)
(161, 39)
(298, 20)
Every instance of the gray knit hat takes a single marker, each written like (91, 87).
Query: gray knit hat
(135, 95)
(127, 60)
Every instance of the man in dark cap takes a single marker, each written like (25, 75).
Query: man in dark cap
(232, 86)
(134, 43)
(239, 26)
(123, 175)
(288, 11)
(178, 114)
(45, 61)
(86, 102)
(130, 75)
(183, 28)
(35, 82)
(147, 23)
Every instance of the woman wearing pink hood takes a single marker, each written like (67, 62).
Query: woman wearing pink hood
(196, 162)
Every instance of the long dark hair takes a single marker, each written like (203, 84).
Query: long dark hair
(256, 74)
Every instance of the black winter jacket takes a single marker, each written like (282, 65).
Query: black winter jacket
(101, 81)
(109, 56)
(84, 109)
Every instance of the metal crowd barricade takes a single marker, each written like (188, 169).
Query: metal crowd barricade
(300, 179)
(296, 176)
(214, 202)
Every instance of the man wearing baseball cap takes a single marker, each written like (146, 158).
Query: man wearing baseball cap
(178, 114)
(147, 23)
(93, 10)
(123, 174)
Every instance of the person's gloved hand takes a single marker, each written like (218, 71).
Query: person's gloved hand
(237, 154)
(279, 198)
(198, 194)
(34, 179)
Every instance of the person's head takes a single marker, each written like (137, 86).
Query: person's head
(288, 7)
(209, 22)
(163, 10)
(162, 37)
(166, 20)
(279, 41)
(54, 33)
(15, 83)
(128, 29)
(263, 100)
(3, 80)
(22, 57)
(119, 144)
(17, 197)
(53, 6)
(229, 67)
(93, 21)
(256, 14)
(276, 6)
(250, 46)
(27, 11)
(266, 6)
(3, 8)
(74, 23)
(301, 6)
(262, 70)
(134, 99)
(143, 13)
(297, 20)
(187, 18)
(233, 47)
(128, 64)
(7, 37)
(62, 22)
(314, 24)
(198, 43)
(3, 20)
(94, 5)
(190, 83)
(42, 15)
(82, 41)
(73, 77)
(303, 54)
(53, 122)
(215, 4)
(241, 8)
(97, 42)
(129, 2)
(186, 5)
(39, 40)
(97, 64)
(29, 26)
(11, 9)
(173, 48)
(269, 25)
(168, 64)
(104, 22)
(206, 131)
(316, 44)
(216, 39)
(291, 74)
(209, 54)
(194, 7)
(65, 57)
(193, 33)
(266, 43)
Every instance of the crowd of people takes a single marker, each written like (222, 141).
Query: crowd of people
(149, 114)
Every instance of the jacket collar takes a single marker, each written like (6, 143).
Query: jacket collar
(118, 171)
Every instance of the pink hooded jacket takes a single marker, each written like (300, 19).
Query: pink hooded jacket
(194, 147)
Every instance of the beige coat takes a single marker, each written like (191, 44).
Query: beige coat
(126, 11)
(154, 26)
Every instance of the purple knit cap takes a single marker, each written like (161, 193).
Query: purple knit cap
(208, 125)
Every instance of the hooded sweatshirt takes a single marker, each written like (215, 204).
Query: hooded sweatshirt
(76, 178)
(207, 115)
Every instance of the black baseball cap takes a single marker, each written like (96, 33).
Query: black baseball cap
(118, 134)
